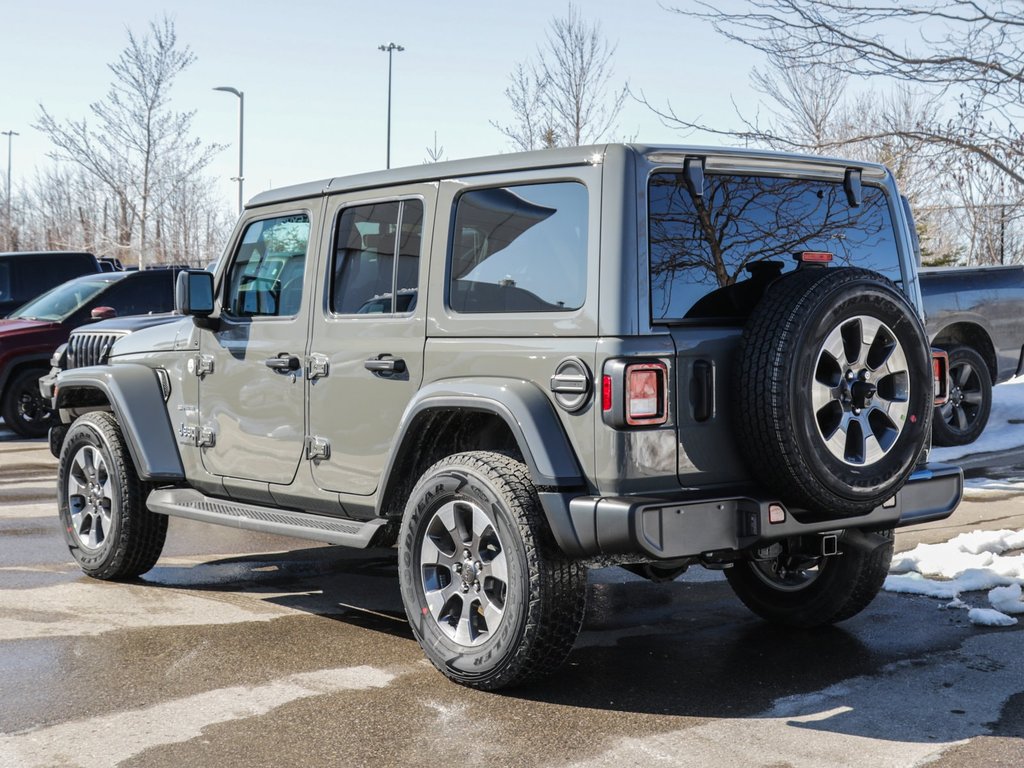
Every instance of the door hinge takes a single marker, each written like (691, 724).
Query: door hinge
(207, 439)
(317, 448)
(319, 366)
(201, 365)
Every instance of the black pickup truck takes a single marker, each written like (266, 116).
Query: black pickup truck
(977, 315)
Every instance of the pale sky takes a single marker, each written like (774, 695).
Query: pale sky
(316, 86)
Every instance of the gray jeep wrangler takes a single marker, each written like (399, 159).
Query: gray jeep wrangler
(519, 367)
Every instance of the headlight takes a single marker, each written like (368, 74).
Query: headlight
(58, 359)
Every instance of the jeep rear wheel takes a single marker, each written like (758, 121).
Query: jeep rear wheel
(25, 410)
(792, 585)
(490, 599)
(102, 503)
(834, 382)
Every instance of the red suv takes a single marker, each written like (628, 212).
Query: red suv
(29, 335)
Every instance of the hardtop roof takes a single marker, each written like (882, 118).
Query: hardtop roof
(560, 157)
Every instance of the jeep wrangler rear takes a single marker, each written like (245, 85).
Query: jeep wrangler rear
(518, 367)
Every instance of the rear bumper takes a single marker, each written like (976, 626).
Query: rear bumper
(665, 528)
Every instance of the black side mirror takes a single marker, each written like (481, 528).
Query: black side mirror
(193, 293)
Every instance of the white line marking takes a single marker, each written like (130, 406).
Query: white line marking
(110, 739)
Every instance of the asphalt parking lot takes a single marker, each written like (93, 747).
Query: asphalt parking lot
(248, 650)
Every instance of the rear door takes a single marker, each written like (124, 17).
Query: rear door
(366, 359)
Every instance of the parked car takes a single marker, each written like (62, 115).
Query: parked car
(977, 316)
(521, 366)
(29, 335)
(27, 274)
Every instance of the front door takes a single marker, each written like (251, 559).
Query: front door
(366, 355)
(251, 399)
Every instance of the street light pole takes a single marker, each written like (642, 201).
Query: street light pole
(241, 137)
(390, 48)
(10, 135)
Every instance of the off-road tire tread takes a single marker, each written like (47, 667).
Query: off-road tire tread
(557, 583)
(853, 584)
(768, 445)
(140, 533)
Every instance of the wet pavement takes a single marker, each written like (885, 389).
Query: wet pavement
(247, 650)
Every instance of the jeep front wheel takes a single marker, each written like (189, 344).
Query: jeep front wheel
(792, 584)
(102, 502)
(490, 598)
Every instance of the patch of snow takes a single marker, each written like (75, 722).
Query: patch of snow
(971, 562)
(989, 617)
(1007, 599)
(1000, 434)
(979, 486)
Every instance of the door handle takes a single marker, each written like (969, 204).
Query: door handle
(283, 363)
(385, 363)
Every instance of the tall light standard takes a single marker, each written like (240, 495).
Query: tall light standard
(10, 135)
(241, 136)
(390, 48)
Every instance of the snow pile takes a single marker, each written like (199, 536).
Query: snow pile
(1000, 434)
(970, 562)
(988, 617)
(1007, 599)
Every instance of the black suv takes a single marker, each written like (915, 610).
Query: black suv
(26, 274)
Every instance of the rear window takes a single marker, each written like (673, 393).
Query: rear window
(520, 249)
(712, 257)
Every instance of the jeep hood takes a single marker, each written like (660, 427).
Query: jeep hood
(158, 335)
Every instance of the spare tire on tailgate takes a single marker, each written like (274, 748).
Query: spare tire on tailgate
(834, 390)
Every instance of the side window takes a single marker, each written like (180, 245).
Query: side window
(6, 289)
(520, 249)
(367, 278)
(267, 274)
(140, 294)
(34, 280)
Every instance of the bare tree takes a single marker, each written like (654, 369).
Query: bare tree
(565, 96)
(532, 126)
(968, 52)
(435, 154)
(140, 150)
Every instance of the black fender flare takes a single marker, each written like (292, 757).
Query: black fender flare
(134, 394)
(526, 410)
(14, 363)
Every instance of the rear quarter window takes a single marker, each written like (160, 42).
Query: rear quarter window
(519, 248)
(711, 257)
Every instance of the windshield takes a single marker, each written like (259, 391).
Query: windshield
(60, 303)
(712, 256)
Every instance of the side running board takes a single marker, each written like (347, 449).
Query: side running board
(187, 502)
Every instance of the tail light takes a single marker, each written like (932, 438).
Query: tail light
(635, 393)
(940, 375)
(646, 394)
(814, 257)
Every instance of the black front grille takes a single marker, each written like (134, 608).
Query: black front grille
(90, 348)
